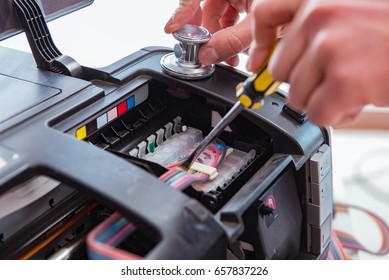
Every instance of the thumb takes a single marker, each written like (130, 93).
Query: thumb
(227, 43)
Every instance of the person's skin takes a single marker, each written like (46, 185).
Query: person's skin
(220, 17)
(334, 55)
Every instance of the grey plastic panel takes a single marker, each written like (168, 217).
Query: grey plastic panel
(320, 204)
(322, 191)
(320, 164)
(317, 214)
(21, 95)
(321, 236)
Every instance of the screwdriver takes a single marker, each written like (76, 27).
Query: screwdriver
(250, 94)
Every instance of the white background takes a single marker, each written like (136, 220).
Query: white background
(108, 30)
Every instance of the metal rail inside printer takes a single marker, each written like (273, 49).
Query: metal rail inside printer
(89, 156)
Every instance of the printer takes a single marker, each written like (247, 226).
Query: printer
(89, 156)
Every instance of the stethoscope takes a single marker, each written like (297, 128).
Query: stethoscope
(183, 62)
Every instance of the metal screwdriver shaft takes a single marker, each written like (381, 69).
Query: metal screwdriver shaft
(226, 120)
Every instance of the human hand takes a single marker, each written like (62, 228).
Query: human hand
(220, 17)
(335, 54)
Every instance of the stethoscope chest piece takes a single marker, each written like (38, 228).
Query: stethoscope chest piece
(183, 62)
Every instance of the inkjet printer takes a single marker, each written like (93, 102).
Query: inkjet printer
(89, 156)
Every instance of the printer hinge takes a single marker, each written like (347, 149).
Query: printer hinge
(46, 54)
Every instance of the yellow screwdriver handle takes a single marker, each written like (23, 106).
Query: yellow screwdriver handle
(255, 88)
